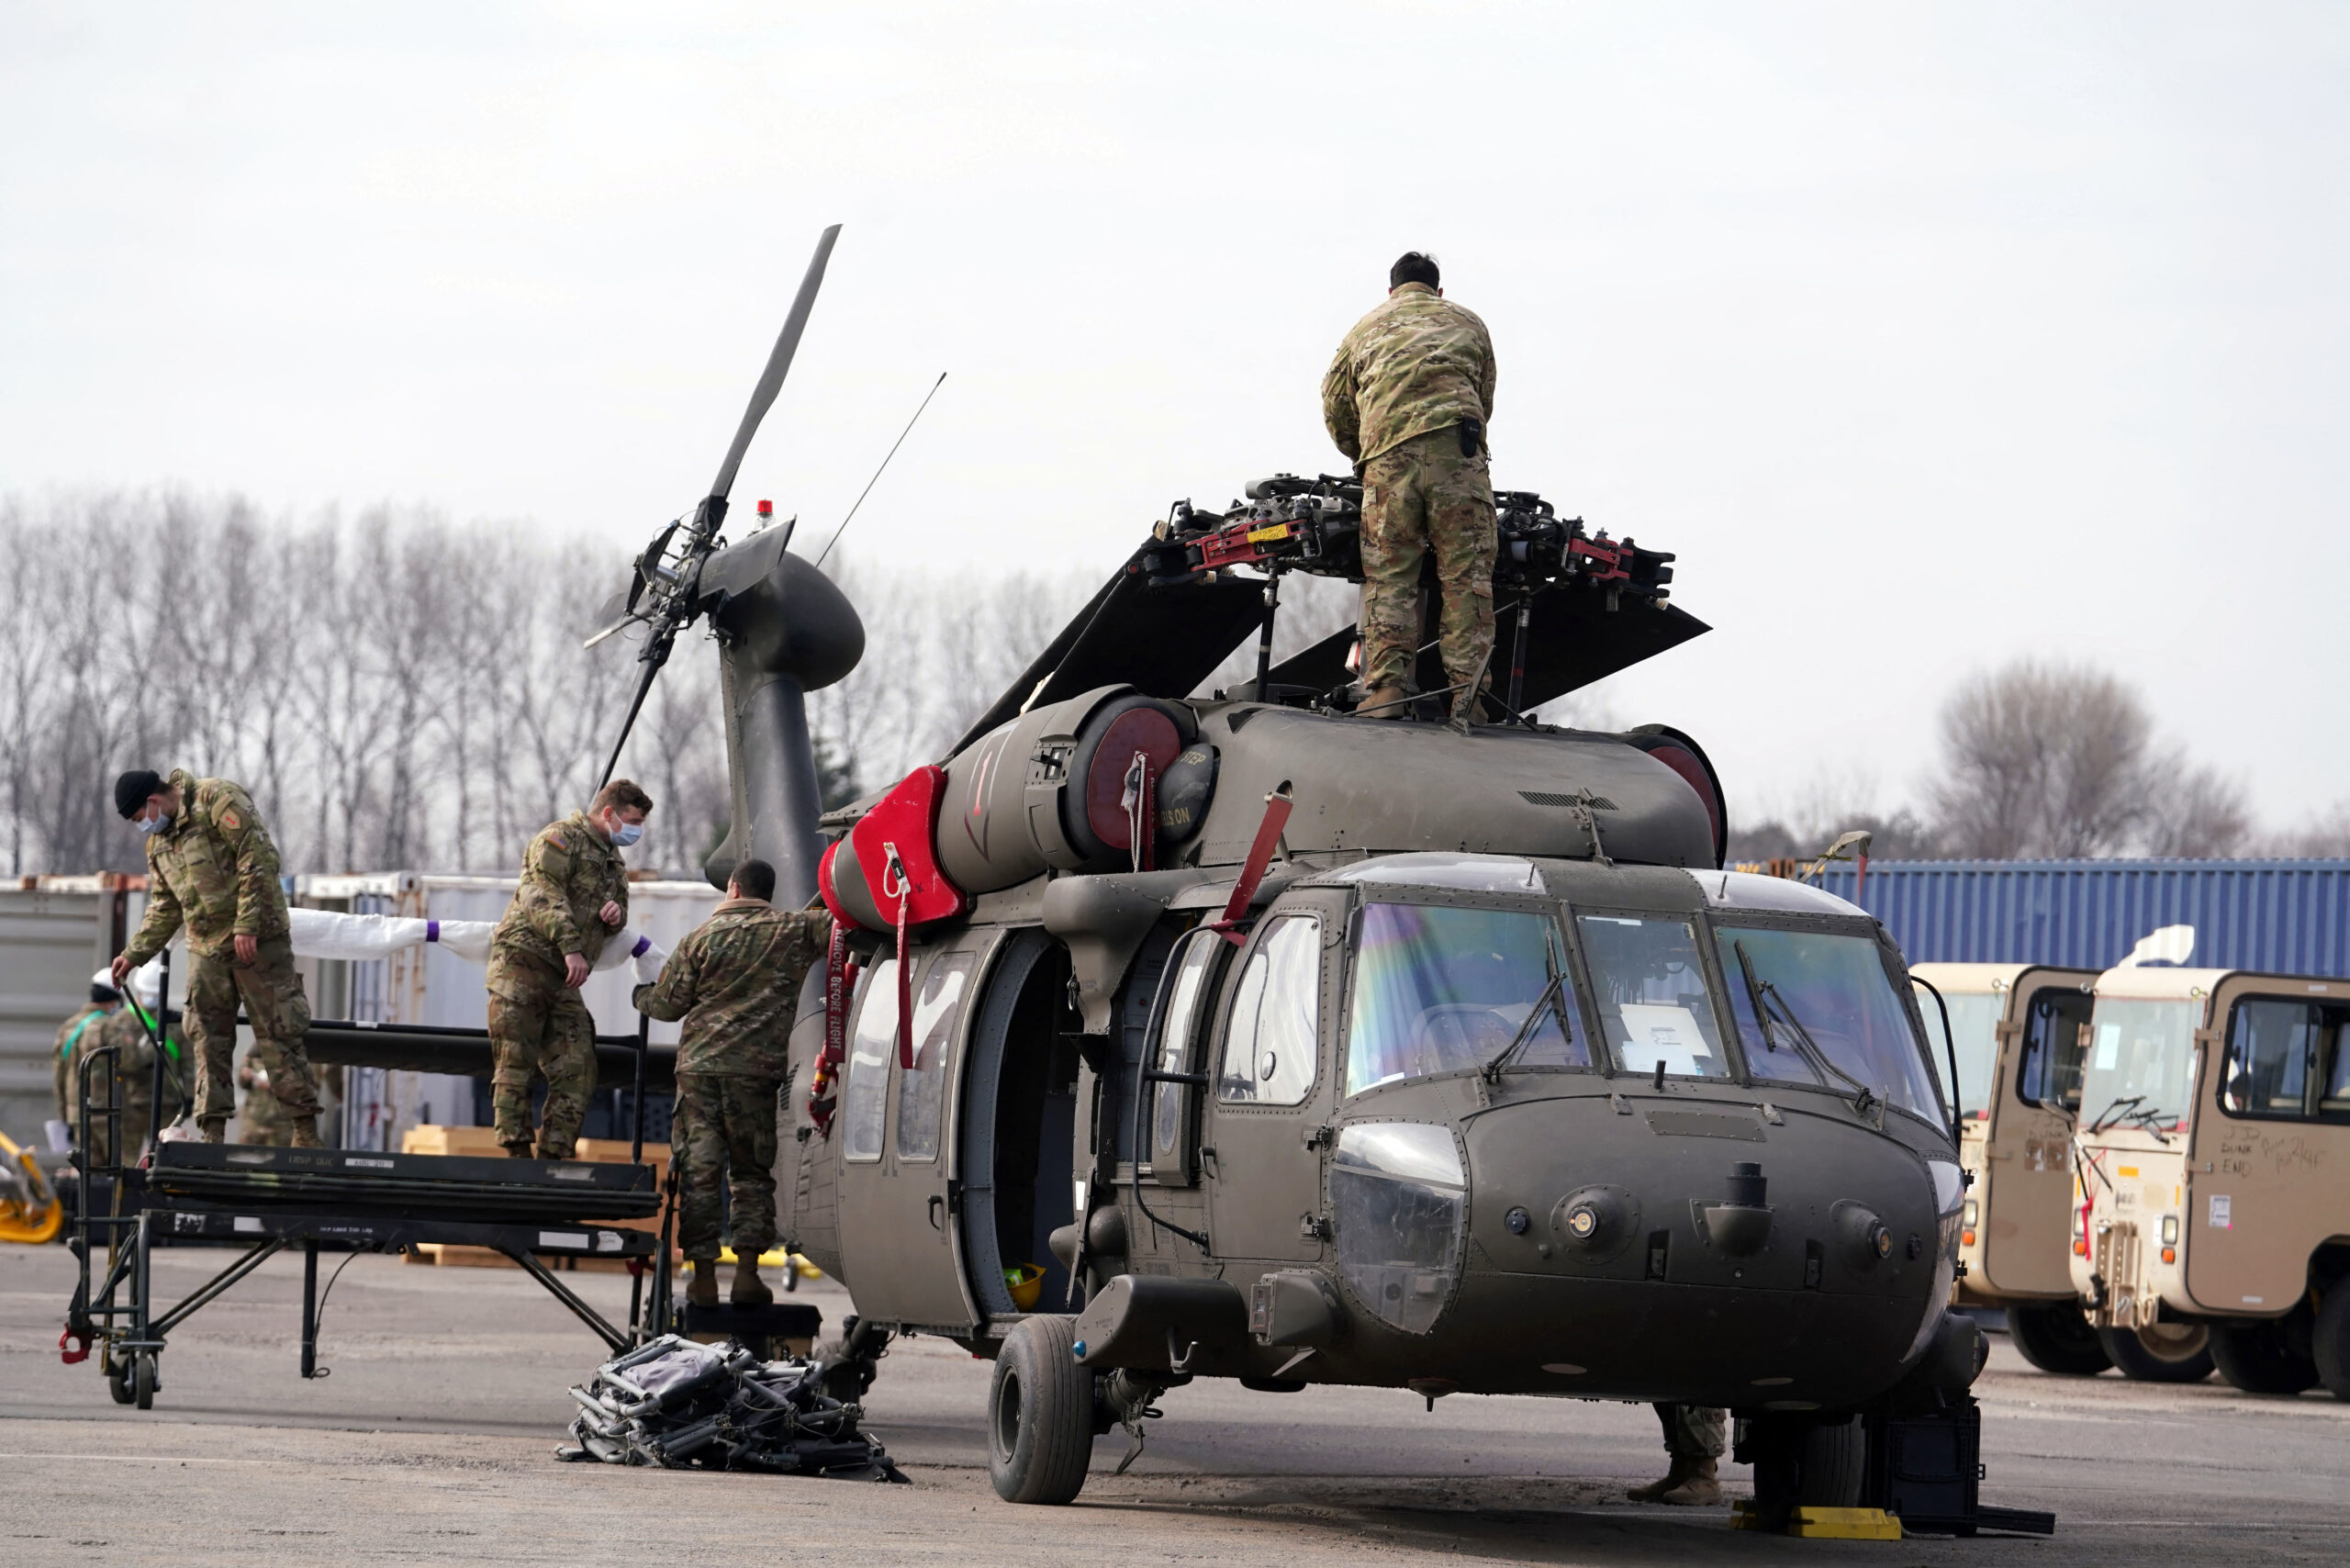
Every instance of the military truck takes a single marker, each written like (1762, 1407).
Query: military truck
(2016, 1031)
(2212, 1195)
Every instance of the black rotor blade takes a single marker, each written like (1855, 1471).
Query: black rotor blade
(652, 667)
(787, 343)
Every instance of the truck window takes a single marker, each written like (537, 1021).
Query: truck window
(1269, 1048)
(1653, 1006)
(2141, 1058)
(2056, 1044)
(1440, 989)
(2284, 1059)
(1833, 1018)
(921, 1092)
(1973, 1034)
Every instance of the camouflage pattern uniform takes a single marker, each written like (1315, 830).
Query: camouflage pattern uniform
(216, 870)
(1399, 400)
(134, 1066)
(261, 1120)
(537, 1023)
(735, 981)
(1694, 1431)
(69, 1035)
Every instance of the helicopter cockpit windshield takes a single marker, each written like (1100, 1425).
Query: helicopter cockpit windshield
(1830, 1016)
(1438, 987)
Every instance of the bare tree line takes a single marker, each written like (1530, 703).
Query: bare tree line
(402, 693)
(2044, 761)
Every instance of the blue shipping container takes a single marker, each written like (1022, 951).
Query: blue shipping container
(2285, 917)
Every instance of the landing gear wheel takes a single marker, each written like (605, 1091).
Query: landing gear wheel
(2055, 1337)
(142, 1380)
(2259, 1356)
(1806, 1465)
(1040, 1414)
(2164, 1352)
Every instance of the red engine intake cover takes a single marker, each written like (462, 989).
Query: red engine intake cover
(904, 821)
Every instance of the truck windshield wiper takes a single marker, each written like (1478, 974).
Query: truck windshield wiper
(2118, 1103)
(1761, 994)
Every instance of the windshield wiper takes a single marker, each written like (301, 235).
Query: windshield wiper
(1546, 1003)
(1761, 995)
(2118, 1103)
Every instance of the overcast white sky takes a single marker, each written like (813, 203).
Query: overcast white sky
(1926, 336)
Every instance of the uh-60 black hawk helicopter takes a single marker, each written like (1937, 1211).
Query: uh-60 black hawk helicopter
(1174, 1036)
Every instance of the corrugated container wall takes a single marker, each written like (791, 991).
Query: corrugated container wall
(2285, 917)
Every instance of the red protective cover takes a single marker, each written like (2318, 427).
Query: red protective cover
(906, 819)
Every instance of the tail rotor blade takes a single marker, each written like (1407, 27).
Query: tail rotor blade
(787, 343)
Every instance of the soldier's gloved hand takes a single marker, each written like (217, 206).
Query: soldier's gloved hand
(574, 970)
(120, 967)
(247, 948)
(611, 914)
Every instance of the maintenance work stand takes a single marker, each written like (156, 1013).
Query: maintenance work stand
(270, 1198)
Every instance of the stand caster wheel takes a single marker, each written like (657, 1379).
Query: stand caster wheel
(118, 1381)
(142, 1380)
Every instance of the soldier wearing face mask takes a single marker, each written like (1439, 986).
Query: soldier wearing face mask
(574, 895)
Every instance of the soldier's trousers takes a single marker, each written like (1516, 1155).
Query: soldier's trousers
(725, 1132)
(279, 1013)
(1694, 1431)
(538, 1024)
(1420, 496)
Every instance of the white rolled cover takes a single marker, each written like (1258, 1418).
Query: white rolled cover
(323, 933)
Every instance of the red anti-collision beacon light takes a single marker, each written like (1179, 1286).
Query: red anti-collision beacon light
(766, 511)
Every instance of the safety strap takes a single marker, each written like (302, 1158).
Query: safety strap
(895, 873)
(838, 974)
(154, 1029)
(1140, 799)
(65, 1051)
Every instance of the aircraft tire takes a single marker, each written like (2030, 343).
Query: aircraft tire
(2257, 1357)
(1040, 1414)
(1799, 1464)
(2168, 1352)
(2055, 1337)
(2330, 1344)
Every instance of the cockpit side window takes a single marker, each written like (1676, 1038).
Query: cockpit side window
(1653, 1006)
(1440, 989)
(865, 1105)
(1270, 1043)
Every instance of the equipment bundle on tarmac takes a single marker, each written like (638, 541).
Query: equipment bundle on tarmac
(681, 1405)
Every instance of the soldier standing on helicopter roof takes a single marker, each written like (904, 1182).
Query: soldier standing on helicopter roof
(1408, 399)
(572, 897)
(735, 981)
(210, 865)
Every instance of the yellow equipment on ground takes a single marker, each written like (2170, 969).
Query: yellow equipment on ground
(29, 1210)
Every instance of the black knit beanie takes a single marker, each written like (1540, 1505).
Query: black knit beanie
(130, 790)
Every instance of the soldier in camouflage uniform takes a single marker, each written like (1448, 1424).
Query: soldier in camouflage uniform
(1408, 399)
(130, 1030)
(735, 981)
(572, 896)
(259, 1120)
(211, 867)
(103, 999)
(1695, 1437)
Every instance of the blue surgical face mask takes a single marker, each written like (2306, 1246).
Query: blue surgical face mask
(626, 834)
(154, 824)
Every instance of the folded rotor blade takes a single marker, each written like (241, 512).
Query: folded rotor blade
(787, 343)
(652, 667)
(612, 616)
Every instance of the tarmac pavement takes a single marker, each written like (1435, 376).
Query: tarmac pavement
(431, 1442)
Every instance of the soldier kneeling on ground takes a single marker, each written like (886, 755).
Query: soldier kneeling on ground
(572, 897)
(735, 981)
(211, 867)
(1694, 1439)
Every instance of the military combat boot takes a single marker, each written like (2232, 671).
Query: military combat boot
(1385, 702)
(702, 1289)
(1690, 1483)
(519, 1150)
(749, 1289)
(214, 1130)
(306, 1133)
